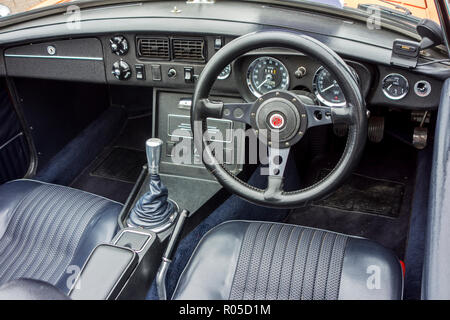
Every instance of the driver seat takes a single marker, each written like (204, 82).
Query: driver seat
(273, 261)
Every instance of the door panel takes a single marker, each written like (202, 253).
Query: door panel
(14, 151)
(436, 272)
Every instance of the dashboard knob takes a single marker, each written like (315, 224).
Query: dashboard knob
(172, 73)
(121, 70)
(119, 45)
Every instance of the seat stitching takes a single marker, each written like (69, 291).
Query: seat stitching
(272, 253)
(293, 260)
(282, 263)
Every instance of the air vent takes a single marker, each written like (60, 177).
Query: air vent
(155, 48)
(188, 49)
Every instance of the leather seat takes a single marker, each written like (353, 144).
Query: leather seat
(48, 231)
(259, 260)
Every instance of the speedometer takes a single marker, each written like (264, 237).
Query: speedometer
(266, 74)
(327, 89)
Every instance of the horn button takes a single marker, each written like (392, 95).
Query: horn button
(282, 114)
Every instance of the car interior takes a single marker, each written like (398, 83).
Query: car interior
(223, 150)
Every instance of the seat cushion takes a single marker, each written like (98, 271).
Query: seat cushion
(47, 231)
(268, 261)
(28, 289)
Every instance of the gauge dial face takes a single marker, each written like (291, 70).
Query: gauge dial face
(327, 89)
(266, 74)
(225, 73)
(395, 86)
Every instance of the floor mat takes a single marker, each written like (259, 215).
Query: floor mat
(113, 173)
(366, 195)
(121, 164)
(389, 165)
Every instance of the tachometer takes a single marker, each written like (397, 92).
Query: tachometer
(266, 74)
(327, 89)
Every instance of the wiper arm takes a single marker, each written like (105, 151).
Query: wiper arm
(396, 6)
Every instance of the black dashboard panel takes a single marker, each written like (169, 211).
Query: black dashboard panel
(367, 51)
(411, 100)
(75, 60)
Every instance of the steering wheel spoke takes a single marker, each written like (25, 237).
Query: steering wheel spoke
(277, 159)
(318, 115)
(323, 115)
(232, 111)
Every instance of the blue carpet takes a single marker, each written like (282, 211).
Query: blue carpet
(234, 208)
(68, 163)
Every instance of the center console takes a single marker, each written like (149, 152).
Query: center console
(166, 191)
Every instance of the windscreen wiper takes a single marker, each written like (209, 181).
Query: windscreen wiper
(391, 13)
(396, 6)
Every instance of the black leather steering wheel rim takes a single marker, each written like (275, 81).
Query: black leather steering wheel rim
(354, 114)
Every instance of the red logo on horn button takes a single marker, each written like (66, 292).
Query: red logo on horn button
(276, 121)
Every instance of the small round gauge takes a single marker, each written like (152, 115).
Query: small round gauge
(327, 89)
(225, 73)
(266, 74)
(395, 86)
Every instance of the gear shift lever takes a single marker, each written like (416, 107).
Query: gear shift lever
(153, 148)
(153, 210)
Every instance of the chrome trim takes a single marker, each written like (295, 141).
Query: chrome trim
(389, 96)
(416, 88)
(166, 225)
(11, 55)
(319, 96)
(11, 140)
(227, 74)
(250, 85)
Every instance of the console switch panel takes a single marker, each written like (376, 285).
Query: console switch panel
(140, 71)
(156, 72)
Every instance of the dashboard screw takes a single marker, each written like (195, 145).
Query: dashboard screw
(286, 144)
(293, 99)
(253, 114)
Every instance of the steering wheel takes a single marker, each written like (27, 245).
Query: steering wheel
(284, 118)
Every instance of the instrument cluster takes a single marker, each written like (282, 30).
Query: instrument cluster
(266, 73)
(256, 74)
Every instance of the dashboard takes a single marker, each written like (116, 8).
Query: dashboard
(175, 61)
(163, 47)
(172, 47)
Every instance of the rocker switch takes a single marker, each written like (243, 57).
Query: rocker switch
(188, 74)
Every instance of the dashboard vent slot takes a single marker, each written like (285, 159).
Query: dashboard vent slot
(155, 48)
(188, 49)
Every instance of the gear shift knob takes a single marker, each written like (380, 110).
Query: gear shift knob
(153, 149)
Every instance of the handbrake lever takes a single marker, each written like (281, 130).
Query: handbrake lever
(168, 255)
